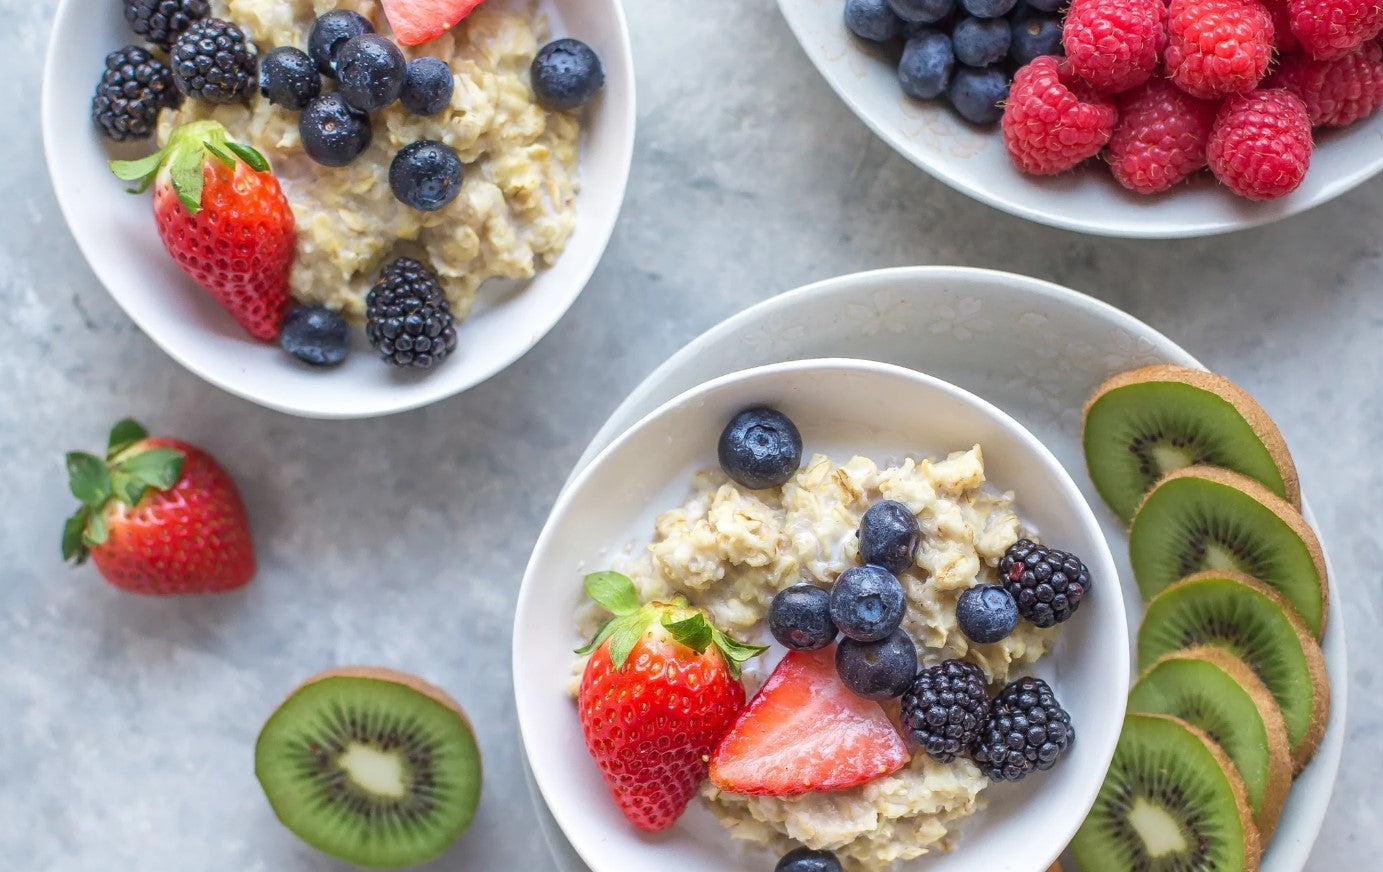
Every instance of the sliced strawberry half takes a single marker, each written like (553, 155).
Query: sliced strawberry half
(805, 731)
(415, 22)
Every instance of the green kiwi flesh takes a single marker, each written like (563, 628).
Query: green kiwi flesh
(1146, 423)
(1209, 519)
(1171, 802)
(1251, 622)
(377, 771)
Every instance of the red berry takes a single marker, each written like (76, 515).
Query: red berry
(1115, 45)
(1160, 138)
(1330, 29)
(418, 21)
(1339, 92)
(1282, 27)
(1218, 47)
(1260, 146)
(1053, 119)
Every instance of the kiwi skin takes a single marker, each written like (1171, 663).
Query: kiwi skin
(1258, 420)
(1273, 503)
(1279, 780)
(1315, 661)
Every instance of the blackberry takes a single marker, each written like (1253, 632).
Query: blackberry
(214, 61)
(1026, 730)
(407, 318)
(134, 87)
(163, 21)
(945, 708)
(1047, 584)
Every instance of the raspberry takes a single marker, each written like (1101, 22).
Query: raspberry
(1218, 47)
(1282, 27)
(1260, 146)
(1160, 138)
(1330, 29)
(1115, 45)
(1339, 92)
(1054, 119)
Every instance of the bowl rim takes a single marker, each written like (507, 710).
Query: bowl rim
(53, 131)
(1036, 449)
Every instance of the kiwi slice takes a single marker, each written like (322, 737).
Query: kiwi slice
(1218, 693)
(1201, 518)
(1250, 620)
(371, 766)
(1171, 802)
(1141, 425)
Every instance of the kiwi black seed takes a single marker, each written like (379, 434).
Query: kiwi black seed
(371, 766)
(1141, 425)
(1218, 693)
(1251, 621)
(1171, 802)
(1202, 518)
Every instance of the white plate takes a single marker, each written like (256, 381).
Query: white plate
(843, 408)
(972, 159)
(115, 232)
(1035, 350)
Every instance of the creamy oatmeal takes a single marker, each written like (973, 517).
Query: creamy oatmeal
(516, 208)
(729, 550)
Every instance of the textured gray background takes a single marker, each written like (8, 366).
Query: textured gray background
(127, 724)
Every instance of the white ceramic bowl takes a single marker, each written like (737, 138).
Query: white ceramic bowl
(843, 407)
(115, 232)
(972, 159)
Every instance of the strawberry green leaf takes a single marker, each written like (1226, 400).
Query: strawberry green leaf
(605, 632)
(124, 434)
(96, 531)
(186, 170)
(218, 153)
(158, 468)
(143, 170)
(623, 641)
(73, 549)
(88, 478)
(614, 591)
(736, 653)
(249, 155)
(694, 632)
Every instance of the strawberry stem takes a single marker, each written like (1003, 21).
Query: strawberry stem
(184, 158)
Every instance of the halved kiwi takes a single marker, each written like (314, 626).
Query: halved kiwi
(1218, 693)
(1201, 518)
(1171, 802)
(1251, 621)
(1141, 425)
(372, 766)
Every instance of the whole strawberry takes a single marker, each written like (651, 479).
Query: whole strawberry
(1053, 119)
(1330, 29)
(1339, 92)
(1160, 138)
(1260, 146)
(1218, 47)
(158, 516)
(659, 693)
(1115, 45)
(224, 219)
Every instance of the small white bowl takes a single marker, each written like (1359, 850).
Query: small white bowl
(972, 159)
(843, 407)
(115, 232)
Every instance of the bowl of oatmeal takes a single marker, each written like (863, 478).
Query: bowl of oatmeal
(542, 191)
(656, 506)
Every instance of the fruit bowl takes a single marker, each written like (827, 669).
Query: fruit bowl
(116, 234)
(973, 159)
(842, 407)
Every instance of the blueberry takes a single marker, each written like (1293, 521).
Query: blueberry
(333, 133)
(1034, 34)
(986, 613)
(566, 74)
(760, 448)
(867, 603)
(288, 78)
(800, 618)
(980, 42)
(426, 175)
(977, 94)
(371, 70)
(925, 68)
(921, 11)
(889, 536)
(872, 20)
(807, 860)
(329, 33)
(316, 335)
(427, 86)
(988, 8)
(878, 670)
